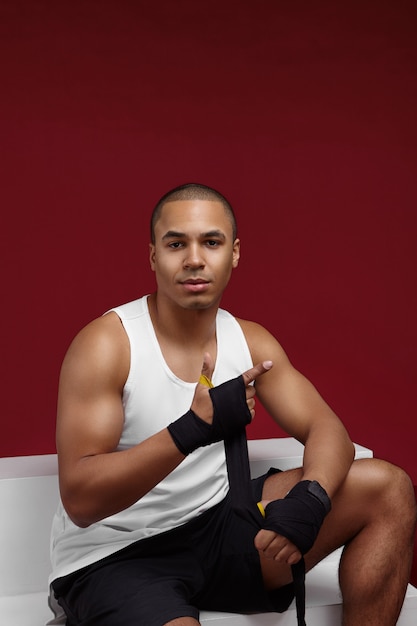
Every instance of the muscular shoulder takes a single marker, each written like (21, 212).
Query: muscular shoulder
(102, 348)
(261, 342)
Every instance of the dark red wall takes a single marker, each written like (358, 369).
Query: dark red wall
(303, 113)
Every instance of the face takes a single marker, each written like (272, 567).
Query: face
(194, 253)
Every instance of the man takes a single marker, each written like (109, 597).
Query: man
(147, 533)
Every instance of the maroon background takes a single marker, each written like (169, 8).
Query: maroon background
(302, 113)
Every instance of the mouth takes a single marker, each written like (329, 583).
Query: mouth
(195, 285)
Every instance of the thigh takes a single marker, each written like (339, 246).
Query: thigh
(367, 494)
(183, 621)
(373, 494)
(128, 592)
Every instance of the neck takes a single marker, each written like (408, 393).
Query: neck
(193, 326)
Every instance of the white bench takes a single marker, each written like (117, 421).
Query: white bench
(28, 499)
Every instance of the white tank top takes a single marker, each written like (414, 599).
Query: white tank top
(152, 398)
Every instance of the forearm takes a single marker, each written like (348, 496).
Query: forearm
(328, 455)
(104, 484)
(97, 482)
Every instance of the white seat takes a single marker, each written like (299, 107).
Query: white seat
(28, 499)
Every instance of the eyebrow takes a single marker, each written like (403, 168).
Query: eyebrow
(174, 234)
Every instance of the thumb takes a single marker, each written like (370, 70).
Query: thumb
(207, 370)
(256, 371)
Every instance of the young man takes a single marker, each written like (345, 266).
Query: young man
(146, 533)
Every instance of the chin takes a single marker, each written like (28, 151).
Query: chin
(196, 304)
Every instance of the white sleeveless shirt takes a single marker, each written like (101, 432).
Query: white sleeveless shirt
(152, 398)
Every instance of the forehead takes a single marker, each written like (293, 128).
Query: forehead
(194, 215)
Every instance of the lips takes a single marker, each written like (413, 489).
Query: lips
(194, 281)
(195, 284)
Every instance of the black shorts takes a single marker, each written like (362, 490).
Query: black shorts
(209, 563)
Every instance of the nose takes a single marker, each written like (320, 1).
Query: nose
(193, 259)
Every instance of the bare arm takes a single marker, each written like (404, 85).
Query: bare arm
(298, 408)
(96, 480)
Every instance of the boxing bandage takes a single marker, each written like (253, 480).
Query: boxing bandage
(230, 415)
(300, 515)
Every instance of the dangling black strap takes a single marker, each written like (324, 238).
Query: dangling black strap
(237, 460)
(238, 470)
(298, 576)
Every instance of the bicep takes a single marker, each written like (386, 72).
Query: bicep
(293, 402)
(90, 411)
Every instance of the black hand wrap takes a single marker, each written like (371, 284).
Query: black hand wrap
(230, 415)
(300, 514)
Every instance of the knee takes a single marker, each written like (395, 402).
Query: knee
(389, 486)
(403, 495)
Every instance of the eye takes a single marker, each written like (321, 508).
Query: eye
(175, 244)
(212, 243)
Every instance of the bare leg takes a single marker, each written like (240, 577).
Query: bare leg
(376, 563)
(183, 621)
(374, 515)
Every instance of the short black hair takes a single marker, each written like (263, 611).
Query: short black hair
(192, 191)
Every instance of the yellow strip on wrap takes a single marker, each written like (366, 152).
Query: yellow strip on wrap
(261, 508)
(203, 380)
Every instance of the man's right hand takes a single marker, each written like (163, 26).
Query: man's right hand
(202, 404)
(218, 412)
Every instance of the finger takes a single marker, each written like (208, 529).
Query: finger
(294, 557)
(288, 554)
(251, 407)
(277, 547)
(263, 539)
(256, 371)
(207, 370)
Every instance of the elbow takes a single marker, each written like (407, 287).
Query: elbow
(79, 513)
(77, 516)
(350, 453)
(349, 448)
(79, 521)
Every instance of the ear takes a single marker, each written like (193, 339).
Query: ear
(152, 256)
(236, 253)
